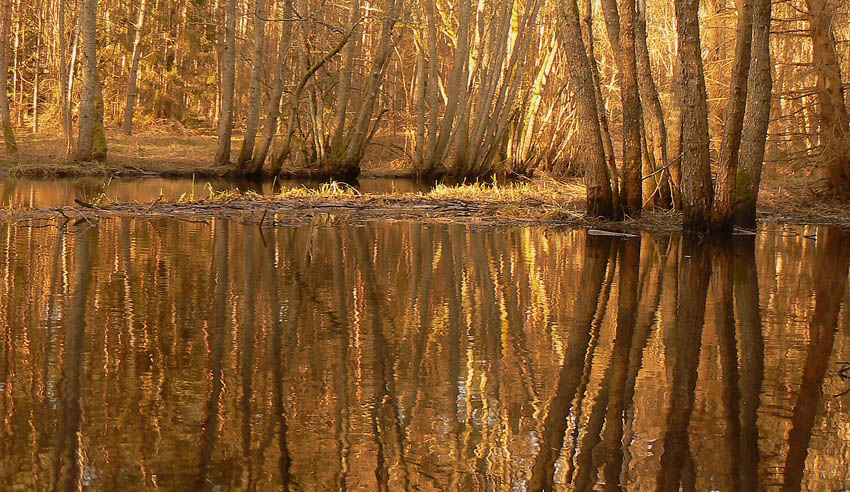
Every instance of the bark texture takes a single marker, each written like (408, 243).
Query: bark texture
(132, 93)
(89, 90)
(5, 115)
(228, 80)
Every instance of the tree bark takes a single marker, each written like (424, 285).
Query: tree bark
(5, 115)
(89, 91)
(724, 192)
(834, 118)
(653, 117)
(255, 91)
(228, 80)
(631, 191)
(344, 91)
(757, 119)
(276, 94)
(132, 93)
(591, 153)
(64, 103)
(696, 172)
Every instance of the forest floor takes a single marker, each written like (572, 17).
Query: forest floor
(785, 197)
(159, 152)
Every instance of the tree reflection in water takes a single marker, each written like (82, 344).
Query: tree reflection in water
(174, 355)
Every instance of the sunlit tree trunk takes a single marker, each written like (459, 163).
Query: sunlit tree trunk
(228, 79)
(132, 93)
(834, 118)
(653, 117)
(724, 192)
(696, 173)
(64, 102)
(631, 185)
(276, 94)
(343, 95)
(592, 155)
(5, 115)
(89, 92)
(255, 91)
(757, 119)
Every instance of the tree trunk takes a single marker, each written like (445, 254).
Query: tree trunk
(631, 186)
(228, 79)
(360, 134)
(653, 117)
(591, 153)
(132, 93)
(724, 192)
(696, 172)
(89, 91)
(344, 91)
(757, 119)
(255, 92)
(64, 104)
(834, 119)
(5, 115)
(276, 95)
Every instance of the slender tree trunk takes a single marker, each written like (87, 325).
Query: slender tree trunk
(344, 91)
(834, 118)
(631, 192)
(360, 131)
(604, 126)
(132, 93)
(37, 72)
(276, 94)
(592, 155)
(64, 103)
(228, 79)
(72, 64)
(760, 84)
(89, 91)
(724, 192)
(5, 115)
(653, 117)
(255, 92)
(696, 173)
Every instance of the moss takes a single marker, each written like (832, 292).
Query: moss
(99, 136)
(743, 185)
(9, 137)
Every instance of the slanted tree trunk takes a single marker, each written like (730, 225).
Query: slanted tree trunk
(724, 191)
(255, 91)
(653, 117)
(631, 185)
(5, 115)
(89, 91)
(591, 153)
(344, 91)
(604, 127)
(347, 163)
(834, 118)
(696, 172)
(132, 93)
(276, 94)
(757, 118)
(228, 80)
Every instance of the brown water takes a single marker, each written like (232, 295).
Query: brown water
(42, 193)
(157, 354)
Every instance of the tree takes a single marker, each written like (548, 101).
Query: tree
(696, 173)
(834, 120)
(757, 119)
(228, 80)
(255, 91)
(724, 193)
(592, 155)
(5, 115)
(91, 99)
(132, 79)
(631, 192)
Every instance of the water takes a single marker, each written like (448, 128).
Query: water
(160, 354)
(39, 193)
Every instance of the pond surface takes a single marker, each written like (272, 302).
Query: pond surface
(40, 193)
(159, 354)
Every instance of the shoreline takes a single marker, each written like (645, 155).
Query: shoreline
(345, 206)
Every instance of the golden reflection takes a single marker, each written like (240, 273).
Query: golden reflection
(151, 354)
